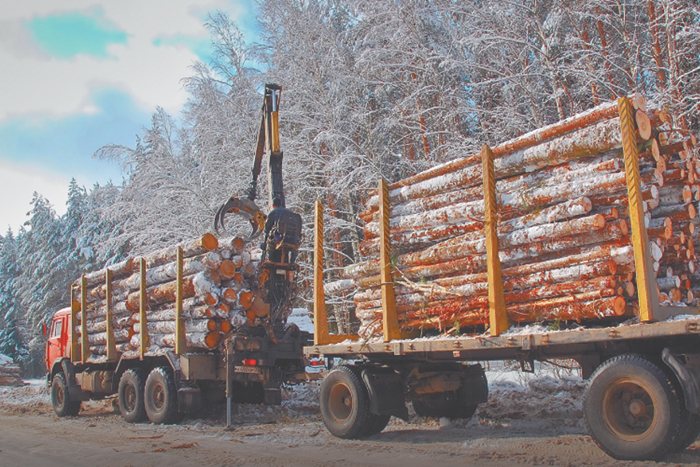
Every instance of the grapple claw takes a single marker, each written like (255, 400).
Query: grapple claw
(244, 207)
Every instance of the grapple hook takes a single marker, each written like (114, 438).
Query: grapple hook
(244, 207)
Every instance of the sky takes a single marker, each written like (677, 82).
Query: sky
(80, 74)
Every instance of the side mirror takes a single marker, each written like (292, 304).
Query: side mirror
(43, 328)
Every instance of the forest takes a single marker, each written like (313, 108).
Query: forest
(372, 89)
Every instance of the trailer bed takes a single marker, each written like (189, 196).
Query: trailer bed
(528, 343)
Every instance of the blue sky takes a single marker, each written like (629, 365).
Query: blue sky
(80, 74)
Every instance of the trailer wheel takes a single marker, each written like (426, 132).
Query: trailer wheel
(375, 424)
(631, 409)
(60, 399)
(161, 397)
(130, 395)
(345, 404)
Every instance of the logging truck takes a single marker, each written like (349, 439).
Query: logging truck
(170, 330)
(575, 241)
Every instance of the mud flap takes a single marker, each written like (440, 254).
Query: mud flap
(385, 390)
(189, 400)
(75, 393)
(688, 375)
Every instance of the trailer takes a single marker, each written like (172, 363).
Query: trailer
(643, 395)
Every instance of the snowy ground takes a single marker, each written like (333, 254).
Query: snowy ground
(530, 419)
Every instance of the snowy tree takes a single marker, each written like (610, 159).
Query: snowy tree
(12, 315)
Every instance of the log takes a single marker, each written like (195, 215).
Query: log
(121, 269)
(167, 327)
(197, 246)
(540, 135)
(200, 340)
(161, 293)
(595, 139)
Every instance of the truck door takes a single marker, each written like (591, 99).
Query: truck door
(55, 344)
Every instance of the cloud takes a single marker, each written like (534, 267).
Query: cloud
(148, 65)
(70, 34)
(20, 181)
(66, 144)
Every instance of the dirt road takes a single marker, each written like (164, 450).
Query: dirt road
(538, 425)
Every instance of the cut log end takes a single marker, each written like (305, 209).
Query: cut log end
(213, 339)
(227, 269)
(209, 242)
(643, 124)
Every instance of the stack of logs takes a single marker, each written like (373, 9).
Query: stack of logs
(563, 228)
(10, 374)
(217, 297)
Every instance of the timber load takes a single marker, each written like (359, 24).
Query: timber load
(213, 281)
(551, 231)
(10, 374)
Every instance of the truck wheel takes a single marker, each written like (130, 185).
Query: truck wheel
(60, 399)
(161, 397)
(631, 409)
(345, 404)
(131, 395)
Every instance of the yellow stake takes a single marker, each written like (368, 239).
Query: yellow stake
(391, 320)
(84, 350)
(179, 322)
(73, 322)
(498, 319)
(320, 315)
(143, 303)
(111, 343)
(646, 285)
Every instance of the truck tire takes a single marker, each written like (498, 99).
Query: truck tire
(60, 399)
(345, 404)
(631, 409)
(131, 394)
(161, 397)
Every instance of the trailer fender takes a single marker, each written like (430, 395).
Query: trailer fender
(688, 375)
(385, 389)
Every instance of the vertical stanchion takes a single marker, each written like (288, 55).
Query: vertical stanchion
(84, 349)
(143, 303)
(179, 322)
(646, 284)
(320, 315)
(391, 320)
(73, 323)
(498, 319)
(111, 345)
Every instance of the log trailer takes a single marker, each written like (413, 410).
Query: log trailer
(164, 382)
(643, 396)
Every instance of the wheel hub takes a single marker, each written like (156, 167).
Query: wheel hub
(628, 409)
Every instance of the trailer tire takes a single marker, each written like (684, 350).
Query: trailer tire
(60, 398)
(160, 397)
(444, 404)
(131, 394)
(345, 404)
(631, 409)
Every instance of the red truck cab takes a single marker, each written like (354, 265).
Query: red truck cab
(58, 342)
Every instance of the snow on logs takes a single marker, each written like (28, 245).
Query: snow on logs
(564, 228)
(216, 297)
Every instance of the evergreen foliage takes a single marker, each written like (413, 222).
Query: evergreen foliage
(371, 89)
